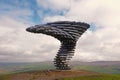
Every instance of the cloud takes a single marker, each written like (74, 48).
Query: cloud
(17, 45)
(19, 10)
(54, 4)
(21, 46)
(103, 43)
(48, 8)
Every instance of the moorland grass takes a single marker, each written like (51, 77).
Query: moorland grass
(99, 77)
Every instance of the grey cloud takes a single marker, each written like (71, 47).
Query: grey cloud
(17, 45)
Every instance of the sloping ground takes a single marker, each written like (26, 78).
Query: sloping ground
(2, 71)
(98, 77)
(48, 75)
(109, 67)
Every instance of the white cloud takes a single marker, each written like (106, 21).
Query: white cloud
(19, 45)
(104, 42)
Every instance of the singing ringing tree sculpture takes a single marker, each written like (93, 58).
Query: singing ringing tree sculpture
(67, 33)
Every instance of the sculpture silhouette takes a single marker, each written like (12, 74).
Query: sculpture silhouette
(67, 33)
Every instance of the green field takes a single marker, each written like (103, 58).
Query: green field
(24, 67)
(99, 77)
(108, 67)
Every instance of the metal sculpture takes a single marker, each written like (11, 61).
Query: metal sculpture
(67, 33)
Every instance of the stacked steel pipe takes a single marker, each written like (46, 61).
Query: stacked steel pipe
(67, 33)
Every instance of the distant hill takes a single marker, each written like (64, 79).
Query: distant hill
(97, 63)
(59, 75)
(48, 75)
(112, 67)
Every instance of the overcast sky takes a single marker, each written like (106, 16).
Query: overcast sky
(100, 42)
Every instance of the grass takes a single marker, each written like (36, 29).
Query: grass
(10, 68)
(99, 77)
(111, 69)
(5, 77)
(28, 68)
(84, 77)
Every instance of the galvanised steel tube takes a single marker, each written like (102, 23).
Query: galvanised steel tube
(67, 33)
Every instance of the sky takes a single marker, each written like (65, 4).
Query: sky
(99, 43)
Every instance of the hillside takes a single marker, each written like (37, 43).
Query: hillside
(47, 75)
(59, 75)
(112, 67)
(101, 70)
